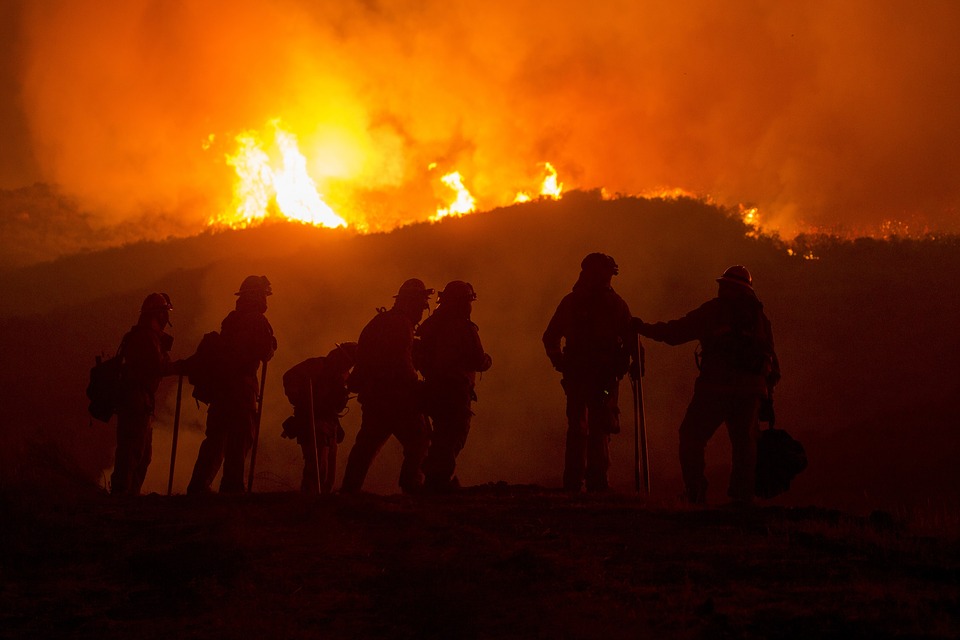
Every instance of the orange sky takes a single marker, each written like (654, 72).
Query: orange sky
(815, 111)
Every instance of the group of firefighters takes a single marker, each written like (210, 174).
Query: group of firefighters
(415, 381)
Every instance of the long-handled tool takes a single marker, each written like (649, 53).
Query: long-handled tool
(256, 430)
(641, 460)
(176, 433)
(313, 429)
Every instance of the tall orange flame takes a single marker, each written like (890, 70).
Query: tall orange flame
(550, 188)
(264, 188)
(464, 202)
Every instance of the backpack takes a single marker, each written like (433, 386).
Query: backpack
(744, 345)
(779, 459)
(104, 387)
(205, 367)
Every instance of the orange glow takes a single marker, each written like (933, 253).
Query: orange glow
(464, 202)
(115, 102)
(276, 186)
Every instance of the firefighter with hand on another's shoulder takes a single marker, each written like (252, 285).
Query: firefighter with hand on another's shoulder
(738, 370)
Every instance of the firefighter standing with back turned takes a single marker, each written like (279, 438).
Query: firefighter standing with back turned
(146, 359)
(599, 348)
(738, 370)
(388, 389)
(247, 340)
(449, 356)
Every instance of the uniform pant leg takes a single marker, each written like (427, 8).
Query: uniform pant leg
(133, 446)
(373, 434)
(743, 428)
(328, 430)
(328, 466)
(413, 432)
(308, 484)
(575, 456)
(704, 415)
(239, 440)
(210, 457)
(146, 455)
(450, 431)
(603, 418)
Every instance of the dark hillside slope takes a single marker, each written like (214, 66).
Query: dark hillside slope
(866, 335)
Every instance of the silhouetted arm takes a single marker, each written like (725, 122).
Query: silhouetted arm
(556, 331)
(479, 359)
(692, 326)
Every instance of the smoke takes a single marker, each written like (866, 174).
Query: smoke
(820, 113)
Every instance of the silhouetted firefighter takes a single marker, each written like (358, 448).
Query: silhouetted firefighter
(245, 340)
(598, 349)
(326, 377)
(449, 355)
(145, 355)
(738, 368)
(389, 390)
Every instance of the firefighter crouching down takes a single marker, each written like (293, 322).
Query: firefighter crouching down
(328, 376)
(738, 369)
(449, 354)
(247, 340)
(146, 359)
(388, 389)
(599, 348)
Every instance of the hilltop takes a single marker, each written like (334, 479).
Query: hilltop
(865, 332)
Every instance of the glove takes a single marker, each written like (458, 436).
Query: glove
(636, 325)
(635, 371)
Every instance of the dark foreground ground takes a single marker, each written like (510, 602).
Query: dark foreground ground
(495, 561)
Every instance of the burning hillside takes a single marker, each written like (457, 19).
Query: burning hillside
(820, 114)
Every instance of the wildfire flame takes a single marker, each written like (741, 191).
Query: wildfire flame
(751, 218)
(265, 188)
(550, 188)
(464, 202)
(668, 193)
(272, 181)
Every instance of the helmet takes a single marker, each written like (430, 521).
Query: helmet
(344, 351)
(156, 302)
(738, 275)
(458, 290)
(600, 262)
(414, 288)
(255, 284)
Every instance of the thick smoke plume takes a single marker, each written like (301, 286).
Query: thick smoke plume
(821, 113)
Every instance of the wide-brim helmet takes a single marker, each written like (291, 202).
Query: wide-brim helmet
(600, 263)
(414, 289)
(457, 290)
(738, 275)
(156, 302)
(258, 285)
